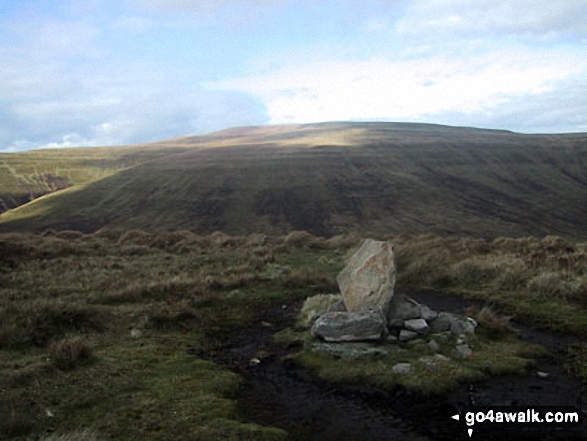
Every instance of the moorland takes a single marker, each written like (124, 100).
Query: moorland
(154, 291)
(327, 179)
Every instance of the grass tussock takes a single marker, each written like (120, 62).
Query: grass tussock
(311, 278)
(70, 352)
(530, 278)
(491, 323)
(37, 323)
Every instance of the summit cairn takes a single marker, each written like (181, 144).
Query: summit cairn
(366, 284)
(368, 279)
(368, 312)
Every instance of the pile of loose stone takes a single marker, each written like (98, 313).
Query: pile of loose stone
(367, 312)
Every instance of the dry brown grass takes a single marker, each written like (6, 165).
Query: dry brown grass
(37, 323)
(493, 324)
(70, 352)
(78, 435)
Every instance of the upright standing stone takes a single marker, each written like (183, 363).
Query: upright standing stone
(368, 280)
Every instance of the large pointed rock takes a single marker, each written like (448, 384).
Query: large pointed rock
(368, 280)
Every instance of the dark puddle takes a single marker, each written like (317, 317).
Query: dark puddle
(277, 393)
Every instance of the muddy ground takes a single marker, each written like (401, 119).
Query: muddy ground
(278, 393)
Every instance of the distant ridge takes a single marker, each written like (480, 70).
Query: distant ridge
(326, 178)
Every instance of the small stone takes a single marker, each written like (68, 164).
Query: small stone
(266, 324)
(406, 335)
(440, 357)
(417, 325)
(392, 338)
(254, 362)
(427, 314)
(442, 336)
(542, 374)
(428, 361)
(456, 324)
(135, 333)
(401, 368)
(463, 351)
(433, 346)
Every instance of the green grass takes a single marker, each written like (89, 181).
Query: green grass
(30, 175)
(489, 358)
(376, 178)
(98, 337)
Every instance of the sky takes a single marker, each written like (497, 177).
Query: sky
(104, 72)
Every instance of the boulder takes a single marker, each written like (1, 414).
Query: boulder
(368, 279)
(350, 326)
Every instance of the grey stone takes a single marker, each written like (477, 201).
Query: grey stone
(401, 368)
(350, 350)
(403, 308)
(456, 324)
(392, 338)
(350, 326)
(368, 280)
(441, 323)
(395, 323)
(406, 335)
(462, 351)
(442, 336)
(418, 325)
(428, 361)
(441, 358)
(433, 346)
(427, 314)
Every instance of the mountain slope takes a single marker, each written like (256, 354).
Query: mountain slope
(28, 175)
(334, 177)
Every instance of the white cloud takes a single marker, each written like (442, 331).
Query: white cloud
(409, 89)
(534, 17)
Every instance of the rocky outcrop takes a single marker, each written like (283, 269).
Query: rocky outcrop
(368, 279)
(350, 326)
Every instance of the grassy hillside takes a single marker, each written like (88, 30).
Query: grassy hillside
(29, 175)
(382, 178)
